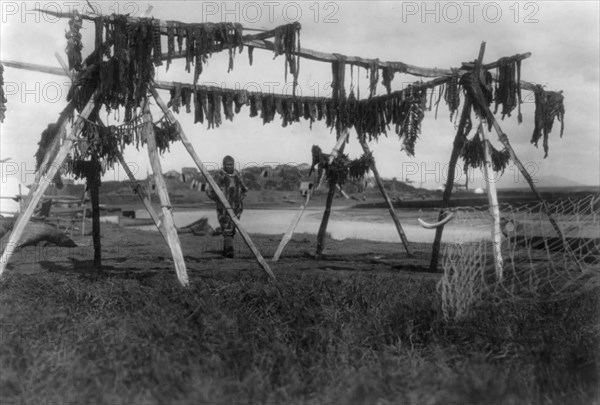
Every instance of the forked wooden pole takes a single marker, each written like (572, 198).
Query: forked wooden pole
(480, 99)
(40, 186)
(212, 183)
(161, 187)
(379, 182)
(459, 141)
(296, 220)
(493, 202)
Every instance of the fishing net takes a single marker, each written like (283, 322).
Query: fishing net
(538, 264)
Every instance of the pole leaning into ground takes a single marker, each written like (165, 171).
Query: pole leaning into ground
(212, 183)
(163, 194)
(493, 202)
(39, 187)
(379, 182)
(138, 190)
(296, 220)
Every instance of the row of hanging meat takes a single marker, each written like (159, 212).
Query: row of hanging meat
(403, 109)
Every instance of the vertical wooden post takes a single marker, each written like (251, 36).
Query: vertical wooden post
(163, 194)
(493, 202)
(459, 141)
(93, 181)
(83, 218)
(379, 182)
(291, 229)
(325, 221)
(39, 187)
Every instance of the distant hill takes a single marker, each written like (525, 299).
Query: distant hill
(512, 181)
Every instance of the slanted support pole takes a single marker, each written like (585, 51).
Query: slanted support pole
(379, 182)
(172, 237)
(292, 228)
(459, 141)
(212, 183)
(39, 187)
(139, 191)
(493, 202)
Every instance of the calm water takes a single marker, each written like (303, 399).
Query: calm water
(370, 224)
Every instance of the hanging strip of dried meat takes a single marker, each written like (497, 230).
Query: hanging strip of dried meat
(373, 76)
(250, 54)
(387, 75)
(452, 93)
(506, 86)
(74, 45)
(170, 42)
(186, 98)
(198, 113)
(228, 105)
(3, 99)
(156, 42)
(240, 98)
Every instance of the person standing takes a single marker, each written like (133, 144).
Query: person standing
(231, 184)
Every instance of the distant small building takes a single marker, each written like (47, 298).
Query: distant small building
(172, 174)
(479, 190)
(188, 173)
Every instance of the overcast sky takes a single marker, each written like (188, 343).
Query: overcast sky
(561, 36)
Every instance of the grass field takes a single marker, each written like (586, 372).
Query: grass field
(318, 337)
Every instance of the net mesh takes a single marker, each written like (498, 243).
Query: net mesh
(537, 262)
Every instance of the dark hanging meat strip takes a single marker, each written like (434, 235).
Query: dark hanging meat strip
(306, 108)
(387, 75)
(3, 99)
(198, 113)
(500, 159)
(279, 105)
(338, 73)
(189, 47)
(228, 105)
(373, 76)
(204, 102)
(250, 54)
(473, 153)
(176, 98)
(99, 28)
(321, 108)
(240, 98)
(156, 43)
(413, 113)
(210, 110)
(298, 109)
(217, 108)
(170, 42)
(287, 41)
(254, 105)
(506, 86)
(74, 45)
(179, 32)
(452, 94)
(186, 98)
(548, 105)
